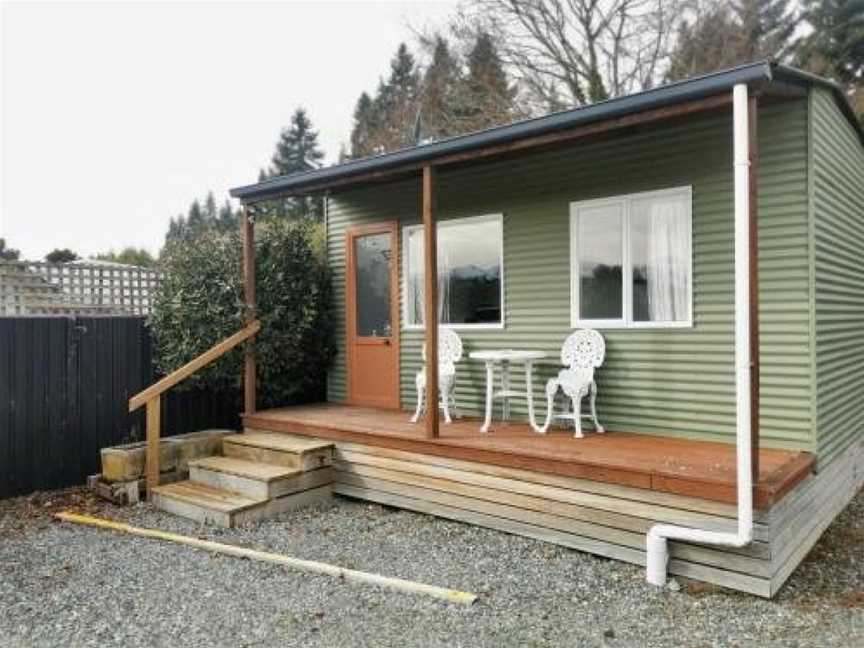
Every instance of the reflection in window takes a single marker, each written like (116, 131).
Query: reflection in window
(372, 276)
(600, 257)
(469, 272)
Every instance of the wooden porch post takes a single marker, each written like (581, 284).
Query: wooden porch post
(249, 379)
(753, 189)
(431, 300)
(154, 425)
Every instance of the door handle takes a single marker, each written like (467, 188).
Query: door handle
(387, 341)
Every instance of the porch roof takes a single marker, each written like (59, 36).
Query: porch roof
(506, 138)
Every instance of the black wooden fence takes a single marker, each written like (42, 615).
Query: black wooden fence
(65, 384)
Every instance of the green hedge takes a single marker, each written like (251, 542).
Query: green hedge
(200, 302)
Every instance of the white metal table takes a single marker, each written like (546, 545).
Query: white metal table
(505, 357)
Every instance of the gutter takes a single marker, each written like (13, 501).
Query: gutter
(658, 536)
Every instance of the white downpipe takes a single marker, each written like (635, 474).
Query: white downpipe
(659, 534)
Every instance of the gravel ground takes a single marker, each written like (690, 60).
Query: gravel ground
(62, 585)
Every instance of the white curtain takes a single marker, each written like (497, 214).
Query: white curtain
(668, 262)
(444, 276)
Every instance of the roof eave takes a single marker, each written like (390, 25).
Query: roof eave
(693, 89)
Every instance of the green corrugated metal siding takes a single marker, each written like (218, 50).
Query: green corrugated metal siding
(677, 382)
(838, 208)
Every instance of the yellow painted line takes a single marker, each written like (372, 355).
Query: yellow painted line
(351, 575)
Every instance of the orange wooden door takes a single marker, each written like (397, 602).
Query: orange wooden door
(372, 312)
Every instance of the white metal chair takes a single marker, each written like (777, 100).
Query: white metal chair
(449, 353)
(583, 352)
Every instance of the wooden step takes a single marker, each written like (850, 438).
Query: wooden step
(203, 503)
(255, 479)
(206, 504)
(279, 449)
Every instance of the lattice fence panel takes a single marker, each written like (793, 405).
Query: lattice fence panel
(42, 288)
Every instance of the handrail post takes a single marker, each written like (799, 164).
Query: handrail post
(154, 415)
(249, 367)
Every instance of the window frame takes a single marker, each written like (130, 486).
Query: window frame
(406, 259)
(626, 202)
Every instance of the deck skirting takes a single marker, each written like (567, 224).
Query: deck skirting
(604, 519)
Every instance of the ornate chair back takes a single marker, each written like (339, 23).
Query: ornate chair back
(583, 349)
(449, 350)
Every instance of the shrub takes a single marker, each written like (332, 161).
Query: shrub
(200, 302)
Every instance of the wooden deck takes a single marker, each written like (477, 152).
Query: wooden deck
(698, 469)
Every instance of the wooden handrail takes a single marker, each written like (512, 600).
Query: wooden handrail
(156, 389)
(152, 396)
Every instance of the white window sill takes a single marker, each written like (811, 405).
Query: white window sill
(611, 324)
(458, 327)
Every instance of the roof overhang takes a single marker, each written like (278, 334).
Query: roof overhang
(673, 100)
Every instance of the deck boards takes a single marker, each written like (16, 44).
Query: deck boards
(700, 469)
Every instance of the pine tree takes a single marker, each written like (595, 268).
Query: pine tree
(708, 43)
(195, 221)
(398, 101)
(439, 97)
(364, 126)
(227, 219)
(767, 28)
(725, 35)
(387, 124)
(201, 219)
(297, 151)
(489, 98)
(210, 207)
(835, 47)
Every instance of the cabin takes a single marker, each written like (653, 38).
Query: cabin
(709, 231)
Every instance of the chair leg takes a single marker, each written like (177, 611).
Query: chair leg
(551, 389)
(421, 400)
(577, 416)
(454, 408)
(597, 425)
(445, 403)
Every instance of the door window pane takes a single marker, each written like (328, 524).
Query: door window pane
(372, 275)
(600, 255)
(469, 272)
(660, 248)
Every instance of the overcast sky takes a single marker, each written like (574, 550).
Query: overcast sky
(114, 117)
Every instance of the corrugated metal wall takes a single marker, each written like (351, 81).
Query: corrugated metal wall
(838, 208)
(676, 382)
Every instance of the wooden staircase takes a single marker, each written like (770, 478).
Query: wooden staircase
(260, 475)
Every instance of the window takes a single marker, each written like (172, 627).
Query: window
(470, 273)
(631, 260)
(372, 282)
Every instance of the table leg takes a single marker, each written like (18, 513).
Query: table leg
(529, 393)
(490, 385)
(505, 388)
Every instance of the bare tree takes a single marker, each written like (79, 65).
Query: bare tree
(567, 53)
